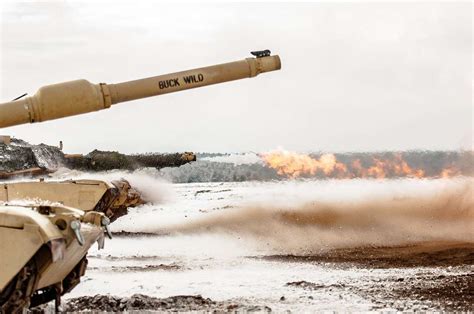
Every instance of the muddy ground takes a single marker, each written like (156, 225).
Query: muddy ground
(420, 255)
(422, 291)
(144, 302)
(441, 290)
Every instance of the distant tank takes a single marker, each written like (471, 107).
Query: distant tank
(103, 160)
(43, 245)
(20, 159)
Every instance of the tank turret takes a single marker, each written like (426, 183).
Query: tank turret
(80, 96)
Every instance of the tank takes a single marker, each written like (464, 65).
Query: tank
(22, 159)
(46, 228)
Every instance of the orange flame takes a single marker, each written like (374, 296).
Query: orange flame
(294, 165)
(449, 172)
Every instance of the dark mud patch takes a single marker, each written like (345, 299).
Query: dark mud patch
(123, 269)
(313, 286)
(143, 302)
(422, 292)
(211, 191)
(124, 234)
(425, 255)
(126, 258)
(428, 292)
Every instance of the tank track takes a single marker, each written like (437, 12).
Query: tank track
(16, 296)
(20, 295)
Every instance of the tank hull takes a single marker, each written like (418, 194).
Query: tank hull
(110, 197)
(42, 245)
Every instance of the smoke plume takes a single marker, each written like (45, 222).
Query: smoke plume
(152, 189)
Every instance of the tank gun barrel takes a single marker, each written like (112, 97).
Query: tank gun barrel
(80, 96)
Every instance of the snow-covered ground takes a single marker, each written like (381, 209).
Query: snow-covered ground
(212, 239)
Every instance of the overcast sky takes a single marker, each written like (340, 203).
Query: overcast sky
(355, 76)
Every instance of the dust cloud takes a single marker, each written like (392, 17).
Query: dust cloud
(437, 213)
(153, 190)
